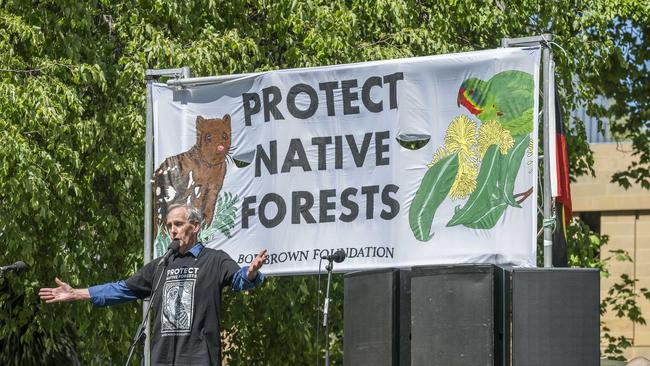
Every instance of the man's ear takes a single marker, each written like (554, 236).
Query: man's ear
(197, 228)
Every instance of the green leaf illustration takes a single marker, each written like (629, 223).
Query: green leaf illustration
(435, 186)
(224, 217)
(509, 167)
(161, 242)
(485, 196)
(489, 218)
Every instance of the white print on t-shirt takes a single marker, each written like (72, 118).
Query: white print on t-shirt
(182, 273)
(177, 306)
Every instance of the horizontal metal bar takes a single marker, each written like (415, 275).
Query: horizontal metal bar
(208, 79)
(183, 72)
(526, 41)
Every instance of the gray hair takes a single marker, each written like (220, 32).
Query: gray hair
(193, 214)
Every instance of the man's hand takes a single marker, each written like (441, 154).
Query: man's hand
(256, 264)
(62, 293)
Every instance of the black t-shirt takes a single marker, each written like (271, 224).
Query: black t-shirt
(186, 317)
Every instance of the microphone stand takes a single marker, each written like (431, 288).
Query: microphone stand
(326, 313)
(139, 335)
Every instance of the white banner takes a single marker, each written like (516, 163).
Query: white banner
(418, 161)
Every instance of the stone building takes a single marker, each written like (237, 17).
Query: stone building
(623, 215)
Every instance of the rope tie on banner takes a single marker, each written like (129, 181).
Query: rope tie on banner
(548, 44)
(177, 77)
(550, 222)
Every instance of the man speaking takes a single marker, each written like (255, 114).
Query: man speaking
(186, 322)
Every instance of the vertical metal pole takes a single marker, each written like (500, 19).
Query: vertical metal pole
(187, 72)
(148, 172)
(548, 234)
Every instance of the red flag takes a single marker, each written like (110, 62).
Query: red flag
(563, 187)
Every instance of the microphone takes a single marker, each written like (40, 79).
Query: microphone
(18, 267)
(172, 249)
(338, 256)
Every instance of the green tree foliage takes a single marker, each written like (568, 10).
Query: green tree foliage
(624, 81)
(72, 104)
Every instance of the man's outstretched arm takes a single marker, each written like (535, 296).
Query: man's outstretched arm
(63, 293)
(101, 295)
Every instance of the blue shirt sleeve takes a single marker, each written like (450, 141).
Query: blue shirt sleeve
(240, 280)
(112, 293)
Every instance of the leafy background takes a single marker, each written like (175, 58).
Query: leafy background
(72, 106)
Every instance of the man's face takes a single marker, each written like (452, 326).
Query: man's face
(181, 229)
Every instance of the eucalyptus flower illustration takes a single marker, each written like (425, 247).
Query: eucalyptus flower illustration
(461, 140)
(493, 133)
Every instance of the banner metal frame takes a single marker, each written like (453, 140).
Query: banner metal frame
(543, 41)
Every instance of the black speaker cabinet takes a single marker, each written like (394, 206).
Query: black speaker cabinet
(555, 316)
(455, 315)
(376, 318)
(472, 315)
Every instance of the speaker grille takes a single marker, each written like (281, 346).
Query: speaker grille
(555, 317)
(370, 318)
(452, 315)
